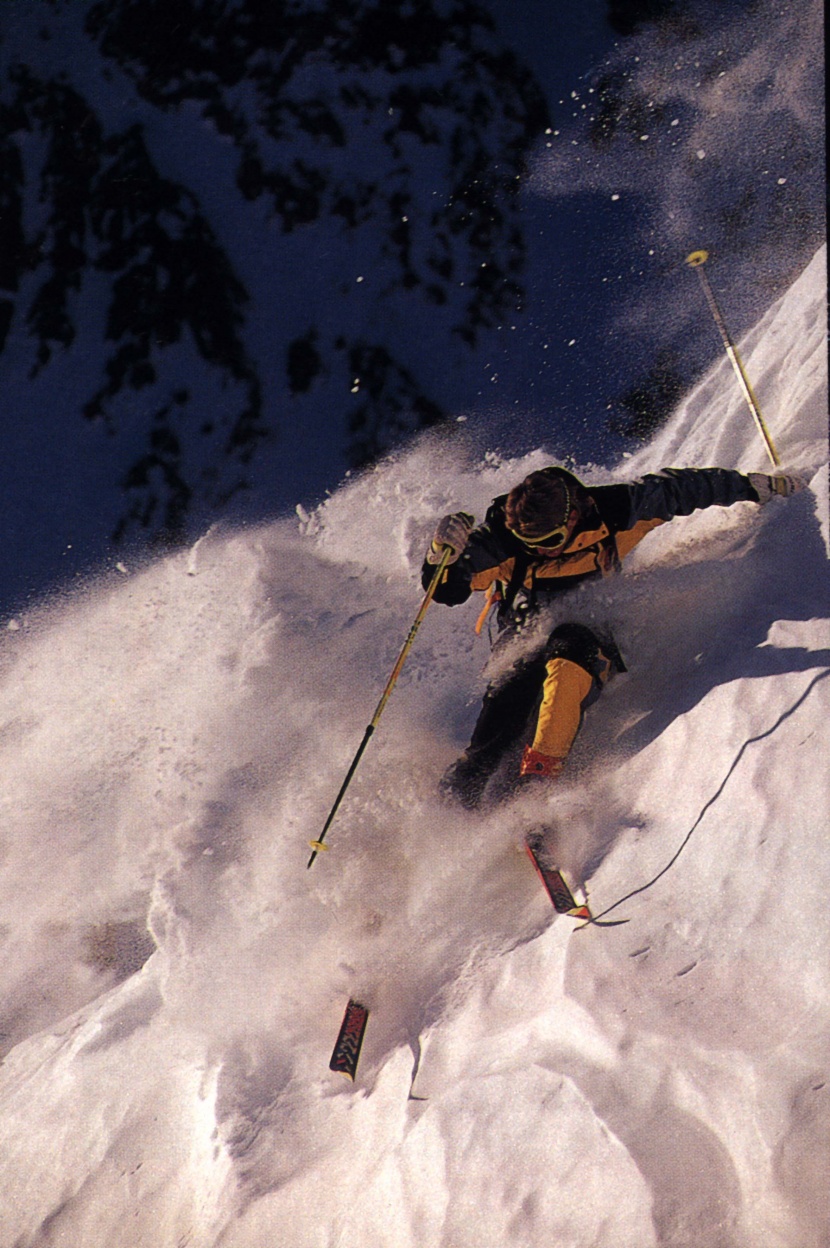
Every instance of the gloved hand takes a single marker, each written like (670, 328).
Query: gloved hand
(781, 484)
(452, 531)
(535, 763)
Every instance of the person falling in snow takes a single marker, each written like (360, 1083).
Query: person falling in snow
(547, 535)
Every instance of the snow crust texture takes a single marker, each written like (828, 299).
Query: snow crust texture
(173, 979)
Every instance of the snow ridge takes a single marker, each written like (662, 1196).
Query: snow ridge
(173, 978)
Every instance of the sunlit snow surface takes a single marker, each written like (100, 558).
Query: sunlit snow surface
(173, 978)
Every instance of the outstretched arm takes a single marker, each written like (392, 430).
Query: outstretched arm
(680, 491)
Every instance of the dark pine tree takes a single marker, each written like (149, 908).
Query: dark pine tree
(393, 129)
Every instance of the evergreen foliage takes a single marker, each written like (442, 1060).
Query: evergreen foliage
(393, 131)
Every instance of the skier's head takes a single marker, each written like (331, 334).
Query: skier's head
(544, 508)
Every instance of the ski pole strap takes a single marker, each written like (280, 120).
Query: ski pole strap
(492, 597)
(696, 260)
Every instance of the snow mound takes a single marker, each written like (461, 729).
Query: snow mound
(173, 978)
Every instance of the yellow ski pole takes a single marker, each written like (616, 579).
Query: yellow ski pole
(319, 844)
(696, 260)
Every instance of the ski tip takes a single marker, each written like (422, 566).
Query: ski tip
(697, 258)
(346, 1053)
(580, 912)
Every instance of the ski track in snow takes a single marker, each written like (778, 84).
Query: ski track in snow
(173, 978)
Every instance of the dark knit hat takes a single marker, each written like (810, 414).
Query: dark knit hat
(541, 502)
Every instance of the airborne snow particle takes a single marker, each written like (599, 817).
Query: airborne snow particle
(700, 153)
(615, 195)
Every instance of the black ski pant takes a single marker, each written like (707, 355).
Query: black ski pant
(510, 706)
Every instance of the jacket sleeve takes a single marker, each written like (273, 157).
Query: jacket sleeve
(675, 492)
(454, 586)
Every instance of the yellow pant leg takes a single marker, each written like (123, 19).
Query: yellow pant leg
(566, 686)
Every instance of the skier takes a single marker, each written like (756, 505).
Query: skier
(547, 535)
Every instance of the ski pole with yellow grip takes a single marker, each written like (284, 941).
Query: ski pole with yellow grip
(319, 844)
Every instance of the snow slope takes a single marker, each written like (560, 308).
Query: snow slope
(173, 978)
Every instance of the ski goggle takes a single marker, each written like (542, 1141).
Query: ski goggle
(556, 536)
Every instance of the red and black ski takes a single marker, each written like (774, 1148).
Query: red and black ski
(563, 899)
(347, 1049)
